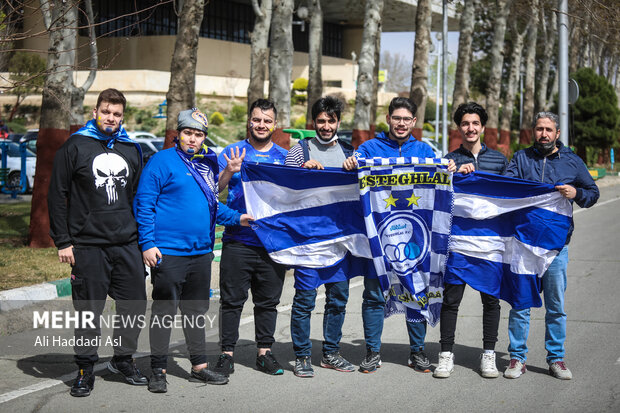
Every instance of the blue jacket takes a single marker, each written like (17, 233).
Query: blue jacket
(488, 160)
(172, 211)
(383, 147)
(562, 167)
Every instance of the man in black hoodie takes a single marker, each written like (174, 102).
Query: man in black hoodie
(94, 180)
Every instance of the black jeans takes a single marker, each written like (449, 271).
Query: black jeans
(244, 267)
(183, 282)
(452, 296)
(116, 271)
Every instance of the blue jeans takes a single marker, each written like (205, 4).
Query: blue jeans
(336, 297)
(373, 305)
(554, 286)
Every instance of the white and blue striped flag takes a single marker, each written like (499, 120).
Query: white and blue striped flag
(504, 231)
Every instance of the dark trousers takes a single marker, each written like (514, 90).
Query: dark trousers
(452, 296)
(116, 271)
(180, 282)
(242, 268)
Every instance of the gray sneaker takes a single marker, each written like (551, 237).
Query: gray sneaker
(445, 367)
(559, 370)
(337, 362)
(418, 360)
(515, 369)
(488, 369)
(303, 367)
(371, 362)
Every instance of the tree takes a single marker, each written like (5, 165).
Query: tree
(60, 21)
(315, 80)
(596, 114)
(259, 49)
(281, 66)
(518, 39)
(525, 134)
(182, 89)
(419, 72)
(366, 77)
(77, 93)
(26, 72)
(461, 78)
(398, 74)
(495, 77)
(549, 33)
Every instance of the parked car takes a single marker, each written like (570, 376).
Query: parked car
(14, 137)
(347, 136)
(213, 146)
(141, 135)
(14, 165)
(149, 147)
(30, 138)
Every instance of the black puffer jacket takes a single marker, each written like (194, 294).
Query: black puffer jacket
(489, 160)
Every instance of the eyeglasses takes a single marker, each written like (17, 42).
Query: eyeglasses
(397, 119)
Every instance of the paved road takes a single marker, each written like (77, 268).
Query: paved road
(31, 383)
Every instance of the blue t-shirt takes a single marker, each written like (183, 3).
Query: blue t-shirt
(236, 199)
(383, 147)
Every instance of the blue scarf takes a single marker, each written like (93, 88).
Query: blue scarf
(92, 131)
(204, 168)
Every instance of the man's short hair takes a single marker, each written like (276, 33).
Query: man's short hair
(112, 96)
(329, 105)
(264, 105)
(402, 103)
(548, 115)
(470, 108)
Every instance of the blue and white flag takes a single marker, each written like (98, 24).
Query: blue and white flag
(407, 205)
(505, 234)
(305, 217)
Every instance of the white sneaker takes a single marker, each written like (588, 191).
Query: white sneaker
(487, 366)
(445, 365)
(559, 370)
(515, 369)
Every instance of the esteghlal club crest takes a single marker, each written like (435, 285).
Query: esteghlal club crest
(405, 240)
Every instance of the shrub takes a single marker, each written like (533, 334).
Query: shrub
(300, 122)
(428, 127)
(298, 99)
(237, 113)
(300, 84)
(216, 118)
(382, 127)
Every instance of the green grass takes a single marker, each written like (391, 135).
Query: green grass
(19, 264)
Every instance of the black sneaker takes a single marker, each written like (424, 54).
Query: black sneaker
(83, 384)
(158, 382)
(225, 365)
(267, 363)
(371, 363)
(419, 362)
(207, 376)
(337, 362)
(130, 372)
(303, 367)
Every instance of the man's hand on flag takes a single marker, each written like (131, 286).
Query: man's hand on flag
(350, 163)
(313, 164)
(567, 191)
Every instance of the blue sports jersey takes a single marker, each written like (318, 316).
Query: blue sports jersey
(236, 199)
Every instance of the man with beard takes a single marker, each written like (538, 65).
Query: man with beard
(549, 161)
(245, 263)
(323, 150)
(398, 142)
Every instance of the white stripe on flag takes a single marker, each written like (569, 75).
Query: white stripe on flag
(323, 254)
(482, 207)
(265, 199)
(523, 258)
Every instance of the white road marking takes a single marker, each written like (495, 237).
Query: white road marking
(597, 205)
(46, 384)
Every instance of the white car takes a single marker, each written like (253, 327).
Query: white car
(141, 135)
(14, 165)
